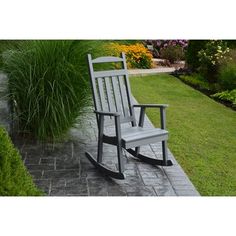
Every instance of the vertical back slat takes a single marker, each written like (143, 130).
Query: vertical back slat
(123, 96)
(128, 90)
(116, 92)
(110, 99)
(101, 93)
(93, 84)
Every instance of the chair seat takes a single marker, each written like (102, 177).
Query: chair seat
(138, 136)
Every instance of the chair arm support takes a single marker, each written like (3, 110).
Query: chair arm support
(103, 113)
(162, 113)
(116, 115)
(151, 105)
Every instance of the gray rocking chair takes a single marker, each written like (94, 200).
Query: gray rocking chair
(112, 99)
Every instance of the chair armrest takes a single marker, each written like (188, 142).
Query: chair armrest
(151, 105)
(103, 113)
(162, 113)
(100, 120)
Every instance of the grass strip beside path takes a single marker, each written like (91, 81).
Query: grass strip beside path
(202, 131)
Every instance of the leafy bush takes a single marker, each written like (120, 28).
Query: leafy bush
(211, 57)
(158, 45)
(47, 81)
(231, 44)
(229, 96)
(172, 53)
(14, 178)
(227, 75)
(191, 55)
(197, 81)
(137, 55)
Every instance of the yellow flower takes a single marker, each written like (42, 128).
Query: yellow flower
(135, 54)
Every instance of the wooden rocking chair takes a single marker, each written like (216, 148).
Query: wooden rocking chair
(112, 99)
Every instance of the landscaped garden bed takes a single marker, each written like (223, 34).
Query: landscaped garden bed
(196, 81)
(202, 131)
(214, 65)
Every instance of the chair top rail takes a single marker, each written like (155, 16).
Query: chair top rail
(107, 59)
(108, 73)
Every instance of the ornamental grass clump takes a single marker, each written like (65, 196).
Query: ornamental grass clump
(48, 85)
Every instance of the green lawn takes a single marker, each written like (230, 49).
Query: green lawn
(202, 131)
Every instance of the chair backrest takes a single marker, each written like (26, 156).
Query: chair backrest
(111, 88)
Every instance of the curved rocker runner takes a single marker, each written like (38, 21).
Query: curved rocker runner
(112, 101)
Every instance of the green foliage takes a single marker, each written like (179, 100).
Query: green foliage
(126, 41)
(48, 81)
(197, 81)
(211, 57)
(227, 75)
(202, 132)
(194, 46)
(144, 63)
(172, 53)
(6, 45)
(191, 56)
(229, 96)
(231, 43)
(14, 178)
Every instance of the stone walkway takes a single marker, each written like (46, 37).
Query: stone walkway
(63, 170)
(145, 72)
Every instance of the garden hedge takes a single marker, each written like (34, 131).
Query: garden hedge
(14, 178)
(191, 56)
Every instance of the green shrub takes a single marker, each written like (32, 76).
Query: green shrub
(172, 53)
(191, 55)
(231, 44)
(14, 178)
(227, 75)
(211, 58)
(197, 81)
(229, 96)
(48, 81)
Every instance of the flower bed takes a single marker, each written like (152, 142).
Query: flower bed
(137, 55)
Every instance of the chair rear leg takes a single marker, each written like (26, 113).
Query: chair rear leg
(120, 159)
(100, 139)
(164, 152)
(119, 146)
(137, 151)
(100, 151)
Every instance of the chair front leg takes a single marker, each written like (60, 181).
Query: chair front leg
(119, 147)
(100, 138)
(163, 117)
(164, 143)
(141, 123)
(164, 152)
